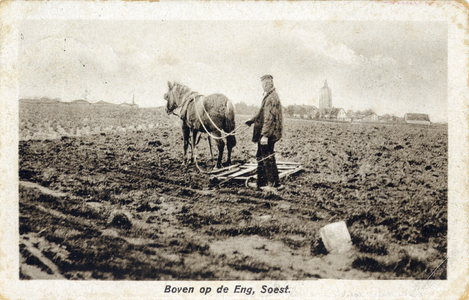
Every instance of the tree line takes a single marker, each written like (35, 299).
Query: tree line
(312, 112)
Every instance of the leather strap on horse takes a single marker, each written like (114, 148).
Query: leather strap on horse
(210, 119)
(225, 134)
(191, 96)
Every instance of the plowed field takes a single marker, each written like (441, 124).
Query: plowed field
(113, 202)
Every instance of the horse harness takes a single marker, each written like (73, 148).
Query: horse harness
(191, 97)
(185, 103)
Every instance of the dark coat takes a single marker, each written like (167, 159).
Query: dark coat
(269, 120)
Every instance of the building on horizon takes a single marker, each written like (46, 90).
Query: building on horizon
(372, 117)
(337, 114)
(325, 100)
(326, 110)
(417, 119)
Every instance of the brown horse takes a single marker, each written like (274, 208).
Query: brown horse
(213, 114)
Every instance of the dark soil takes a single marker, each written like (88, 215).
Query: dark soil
(119, 205)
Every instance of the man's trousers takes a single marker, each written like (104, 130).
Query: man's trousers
(267, 172)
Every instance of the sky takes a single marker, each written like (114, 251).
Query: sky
(392, 67)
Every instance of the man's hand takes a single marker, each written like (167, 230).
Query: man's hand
(264, 140)
(249, 122)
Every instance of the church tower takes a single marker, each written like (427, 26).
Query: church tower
(325, 99)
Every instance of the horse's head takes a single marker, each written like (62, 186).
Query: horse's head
(170, 97)
(175, 95)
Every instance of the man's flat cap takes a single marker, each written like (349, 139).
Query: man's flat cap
(267, 77)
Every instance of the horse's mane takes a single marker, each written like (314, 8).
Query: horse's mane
(179, 90)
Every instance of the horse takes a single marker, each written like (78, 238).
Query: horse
(213, 114)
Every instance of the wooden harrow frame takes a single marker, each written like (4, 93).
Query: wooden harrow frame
(248, 171)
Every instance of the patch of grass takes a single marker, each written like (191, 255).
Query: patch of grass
(370, 242)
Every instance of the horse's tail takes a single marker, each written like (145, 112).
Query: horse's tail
(230, 124)
(229, 117)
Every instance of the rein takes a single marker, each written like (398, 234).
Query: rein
(222, 131)
(188, 99)
(224, 134)
(210, 119)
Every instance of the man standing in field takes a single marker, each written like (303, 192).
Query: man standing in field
(268, 127)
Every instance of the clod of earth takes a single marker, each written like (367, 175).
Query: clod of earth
(120, 219)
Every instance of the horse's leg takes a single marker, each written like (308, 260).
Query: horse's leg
(229, 126)
(186, 135)
(210, 146)
(194, 143)
(230, 143)
(221, 147)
